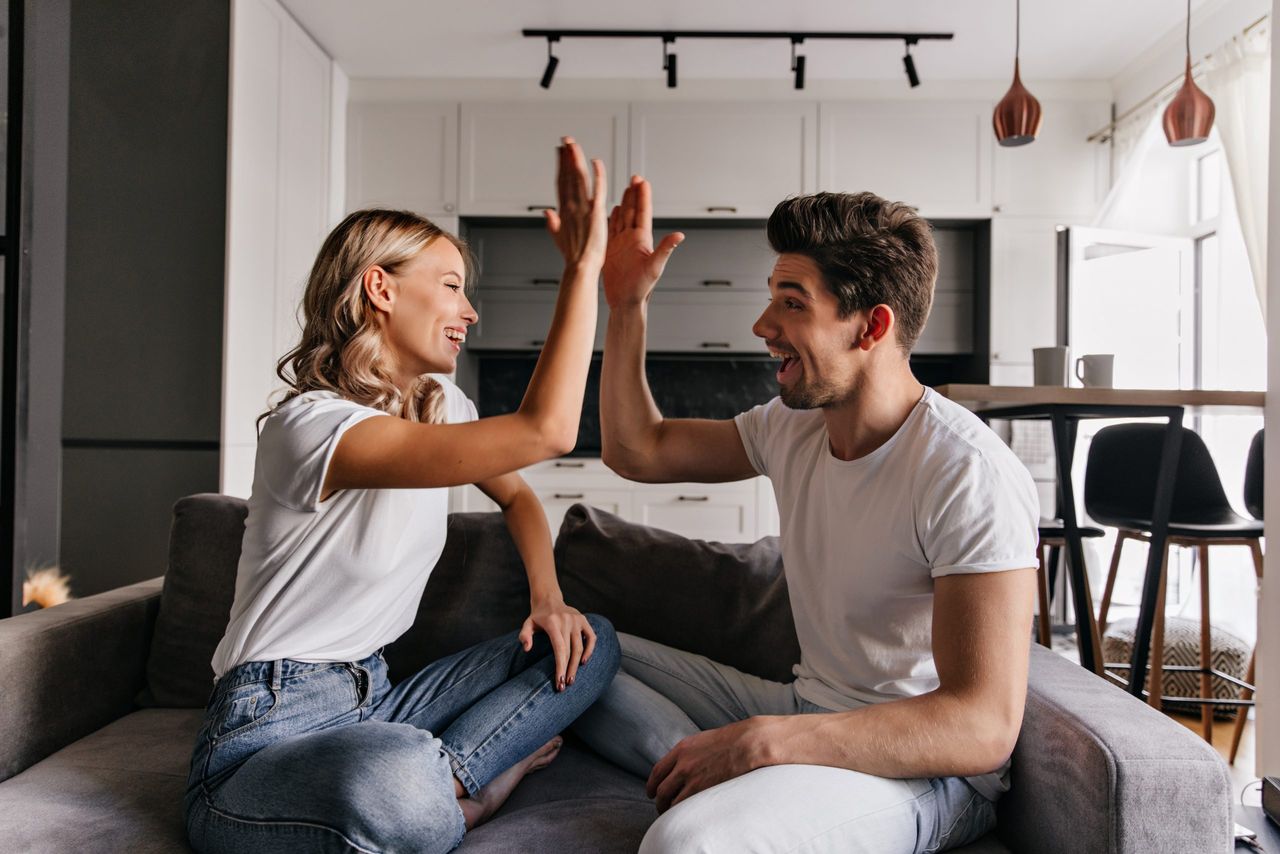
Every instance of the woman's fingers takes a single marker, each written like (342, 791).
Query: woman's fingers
(560, 648)
(575, 653)
(599, 188)
(644, 206)
(590, 634)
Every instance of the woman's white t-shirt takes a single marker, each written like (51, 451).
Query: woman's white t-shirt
(331, 581)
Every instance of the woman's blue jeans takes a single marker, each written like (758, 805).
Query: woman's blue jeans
(297, 756)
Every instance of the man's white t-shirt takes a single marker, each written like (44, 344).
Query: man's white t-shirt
(863, 540)
(337, 580)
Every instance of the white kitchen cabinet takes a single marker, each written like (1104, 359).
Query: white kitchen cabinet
(403, 155)
(720, 512)
(724, 159)
(1024, 287)
(1060, 174)
(932, 155)
(519, 318)
(949, 329)
(508, 152)
(688, 322)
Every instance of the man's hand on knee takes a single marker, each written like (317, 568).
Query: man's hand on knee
(708, 758)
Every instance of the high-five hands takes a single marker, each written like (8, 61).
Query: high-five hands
(572, 638)
(632, 266)
(708, 758)
(578, 225)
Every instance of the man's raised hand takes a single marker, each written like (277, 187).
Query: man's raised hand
(632, 266)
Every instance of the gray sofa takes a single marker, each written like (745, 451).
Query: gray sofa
(103, 696)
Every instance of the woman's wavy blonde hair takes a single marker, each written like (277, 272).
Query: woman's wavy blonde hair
(342, 348)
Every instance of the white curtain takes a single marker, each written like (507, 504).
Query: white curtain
(1237, 77)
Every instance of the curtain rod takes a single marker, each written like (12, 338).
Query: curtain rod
(1104, 133)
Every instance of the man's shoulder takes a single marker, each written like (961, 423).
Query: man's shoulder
(953, 437)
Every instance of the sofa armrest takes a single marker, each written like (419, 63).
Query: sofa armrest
(71, 669)
(1096, 770)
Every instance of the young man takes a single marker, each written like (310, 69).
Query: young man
(908, 537)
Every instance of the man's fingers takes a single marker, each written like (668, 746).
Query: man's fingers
(553, 222)
(644, 206)
(575, 654)
(591, 641)
(614, 218)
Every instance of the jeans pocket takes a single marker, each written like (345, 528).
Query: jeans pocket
(242, 709)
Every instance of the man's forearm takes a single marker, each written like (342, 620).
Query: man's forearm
(629, 418)
(933, 735)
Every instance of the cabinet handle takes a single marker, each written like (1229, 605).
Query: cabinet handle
(561, 464)
(719, 345)
(568, 495)
(717, 283)
(694, 498)
(722, 209)
(532, 208)
(538, 342)
(545, 281)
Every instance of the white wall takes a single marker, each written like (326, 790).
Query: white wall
(282, 166)
(1268, 733)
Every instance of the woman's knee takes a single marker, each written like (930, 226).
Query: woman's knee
(607, 651)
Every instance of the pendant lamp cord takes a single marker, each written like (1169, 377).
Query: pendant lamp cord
(1188, 29)
(1017, 29)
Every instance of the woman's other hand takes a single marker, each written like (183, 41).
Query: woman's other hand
(632, 266)
(572, 638)
(579, 226)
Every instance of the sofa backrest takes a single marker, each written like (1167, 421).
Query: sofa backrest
(725, 601)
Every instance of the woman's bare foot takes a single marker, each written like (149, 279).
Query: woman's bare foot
(477, 810)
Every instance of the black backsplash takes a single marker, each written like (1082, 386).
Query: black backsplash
(682, 386)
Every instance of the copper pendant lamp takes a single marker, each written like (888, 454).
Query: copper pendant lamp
(1189, 116)
(1016, 119)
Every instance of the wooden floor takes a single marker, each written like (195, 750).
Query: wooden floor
(1243, 778)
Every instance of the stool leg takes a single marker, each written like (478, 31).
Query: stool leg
(1121, 536)
(1042, 577)
(1206, 657)
(1155, 688)
(1247, 693)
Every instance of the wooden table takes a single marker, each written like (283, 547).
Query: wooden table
(1064, 408)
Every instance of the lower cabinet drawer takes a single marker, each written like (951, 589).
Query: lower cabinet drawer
(720, 515)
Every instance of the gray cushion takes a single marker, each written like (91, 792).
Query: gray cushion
(204, 548)
(725, 601)
(119, 789)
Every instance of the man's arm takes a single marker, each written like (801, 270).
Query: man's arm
(967, 726)
(638, 443)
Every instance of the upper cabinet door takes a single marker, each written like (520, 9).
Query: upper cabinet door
(508, 153)
(403, 155)
(933, 155)
(1060, 174)
(725, 159)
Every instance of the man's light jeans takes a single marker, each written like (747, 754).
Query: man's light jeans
(662, 695)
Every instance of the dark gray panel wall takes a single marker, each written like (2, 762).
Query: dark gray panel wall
(145, 243)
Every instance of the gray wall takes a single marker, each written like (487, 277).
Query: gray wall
(146, 230)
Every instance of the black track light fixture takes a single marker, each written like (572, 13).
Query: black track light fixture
(669, 61)
(552, 62)
(797, 63)
(909, 63)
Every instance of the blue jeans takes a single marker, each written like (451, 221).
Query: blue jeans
(299, 756)
(663, 695)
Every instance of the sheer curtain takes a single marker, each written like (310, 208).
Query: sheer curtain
(1238, 78)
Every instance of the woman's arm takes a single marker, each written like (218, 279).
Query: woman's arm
(381, 453)
(571, 636)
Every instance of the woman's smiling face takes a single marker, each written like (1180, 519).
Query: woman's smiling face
(427, 320)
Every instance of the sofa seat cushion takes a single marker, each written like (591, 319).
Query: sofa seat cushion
(118, 789)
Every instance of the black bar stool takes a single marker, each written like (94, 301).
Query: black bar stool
(1053, 540)
(1252, 503)
(1119, 490)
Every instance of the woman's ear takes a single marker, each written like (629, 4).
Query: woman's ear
(880, 320)
(379, 287)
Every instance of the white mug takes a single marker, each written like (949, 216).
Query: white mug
(1051, 365)
(1096, 370)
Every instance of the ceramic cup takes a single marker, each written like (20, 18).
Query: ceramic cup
(1050, 365)
(1097, 370)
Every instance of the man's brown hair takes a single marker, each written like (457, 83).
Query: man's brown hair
(870, 251)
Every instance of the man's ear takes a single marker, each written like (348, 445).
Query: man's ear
(879, 321)
(379, 287)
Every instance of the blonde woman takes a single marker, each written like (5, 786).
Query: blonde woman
(306, 746)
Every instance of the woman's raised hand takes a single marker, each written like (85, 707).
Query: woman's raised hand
(578, 225)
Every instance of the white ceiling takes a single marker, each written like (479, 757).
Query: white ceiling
(1078, 40)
